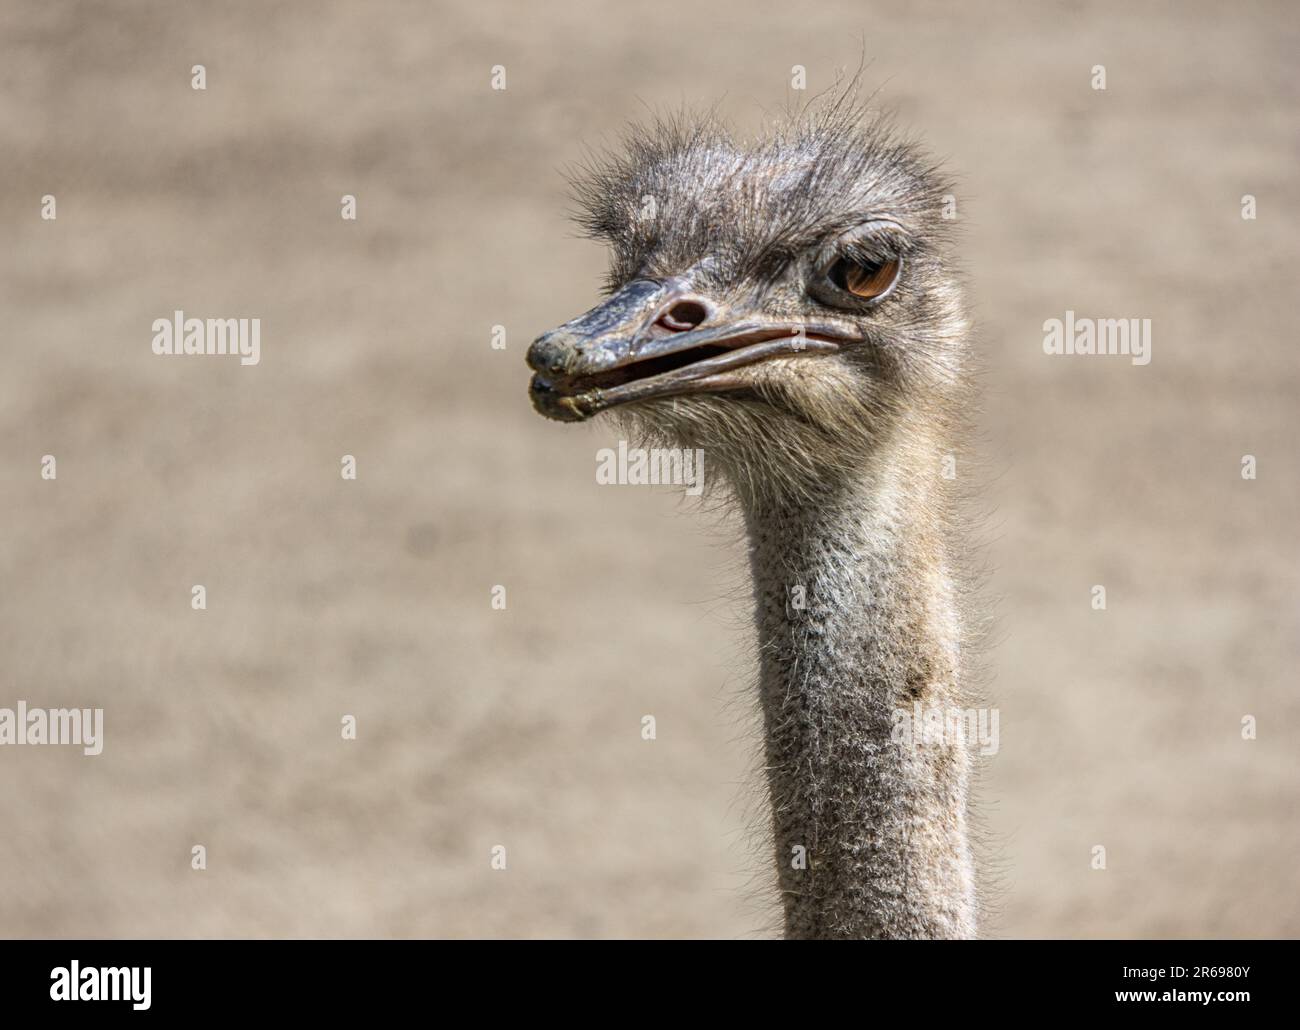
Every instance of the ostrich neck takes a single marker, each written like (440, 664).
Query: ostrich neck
(870, 833)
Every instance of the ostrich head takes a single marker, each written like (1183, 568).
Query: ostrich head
(782, 303)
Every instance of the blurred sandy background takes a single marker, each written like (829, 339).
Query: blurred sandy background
(521, 728)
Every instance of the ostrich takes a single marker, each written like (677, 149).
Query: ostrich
(789, 305)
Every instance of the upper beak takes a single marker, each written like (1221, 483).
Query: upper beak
(654, 339)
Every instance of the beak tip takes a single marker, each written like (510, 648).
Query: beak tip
(552, 352)
(561, 407)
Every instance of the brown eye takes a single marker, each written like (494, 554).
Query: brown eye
(867, 280)
(854, 279)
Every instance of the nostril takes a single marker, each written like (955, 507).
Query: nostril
(683, 315)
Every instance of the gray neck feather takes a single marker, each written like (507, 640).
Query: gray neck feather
(882, 825)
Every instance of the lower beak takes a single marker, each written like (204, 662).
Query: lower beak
(634, 347)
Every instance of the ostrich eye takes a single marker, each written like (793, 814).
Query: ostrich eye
(866, 279)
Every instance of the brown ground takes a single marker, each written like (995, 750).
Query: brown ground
(371, 597)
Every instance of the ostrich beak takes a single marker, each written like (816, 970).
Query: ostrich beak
(653, 339)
